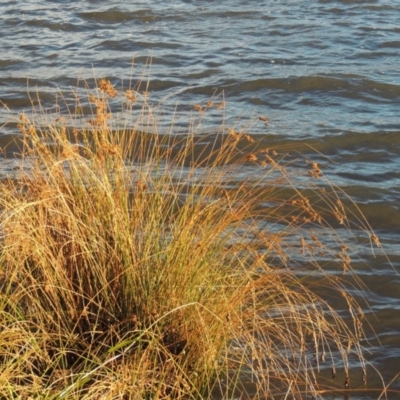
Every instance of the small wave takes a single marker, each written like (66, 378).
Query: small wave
(116, 16)
(348, 87)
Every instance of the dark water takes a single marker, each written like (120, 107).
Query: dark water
(324, 72)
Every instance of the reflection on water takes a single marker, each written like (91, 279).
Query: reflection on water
(325, 73)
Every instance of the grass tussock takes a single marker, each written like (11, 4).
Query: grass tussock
(135, 265)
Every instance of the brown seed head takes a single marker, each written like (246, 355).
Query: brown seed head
(107, 87)
(23, 118)
(198, 108)
(251, 157)
(375, 239)
(131, 96)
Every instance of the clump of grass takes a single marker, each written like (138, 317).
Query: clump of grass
(135, 265)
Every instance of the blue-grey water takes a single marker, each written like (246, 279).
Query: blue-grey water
(323, 72)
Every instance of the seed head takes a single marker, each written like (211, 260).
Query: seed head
(107, 87)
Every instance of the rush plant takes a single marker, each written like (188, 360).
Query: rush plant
(137, 265)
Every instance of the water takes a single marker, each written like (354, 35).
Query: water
(324, 72)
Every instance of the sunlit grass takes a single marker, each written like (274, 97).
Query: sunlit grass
(136, 265)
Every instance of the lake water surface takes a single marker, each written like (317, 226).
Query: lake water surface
(323, 72)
